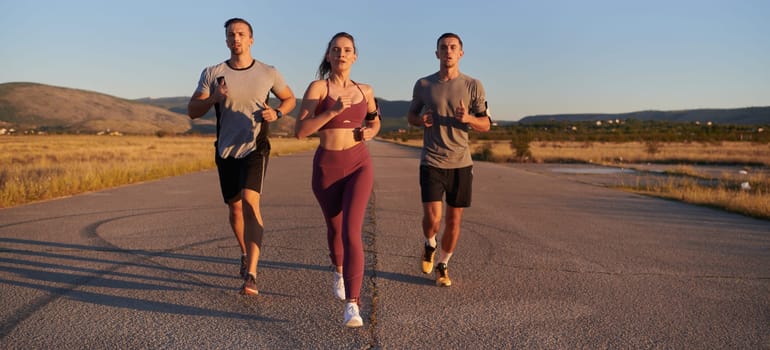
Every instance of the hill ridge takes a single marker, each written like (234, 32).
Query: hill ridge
(41, 107)
(35, 106)
(754, 115)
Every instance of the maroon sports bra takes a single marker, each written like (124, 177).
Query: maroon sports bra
(351, 118)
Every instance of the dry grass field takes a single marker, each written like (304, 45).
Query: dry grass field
(639, 152)
(43, 167)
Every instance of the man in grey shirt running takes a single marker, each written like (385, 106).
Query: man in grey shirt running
(447, 104)
(238, 89)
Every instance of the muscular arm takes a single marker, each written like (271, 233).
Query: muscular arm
(420, 120)
(288, 101)
(413, 116)
(417, 119)
(481, 124)
(414, 119)
(199, 104)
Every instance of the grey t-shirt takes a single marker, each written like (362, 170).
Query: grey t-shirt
(239, 120)
(445, 144)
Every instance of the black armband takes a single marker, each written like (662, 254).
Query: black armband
(375, 113)
(485, 113)
(372, 115)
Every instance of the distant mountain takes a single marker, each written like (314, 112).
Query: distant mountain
(31, 106)
(40, 107)
(735, 116)
(393, 114)
(46, 108)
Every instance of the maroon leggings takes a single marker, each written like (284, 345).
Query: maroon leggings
(342, 184)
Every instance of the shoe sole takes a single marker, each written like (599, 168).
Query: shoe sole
(442, 281)
(248, 291)
(444, 284)
(354, 323)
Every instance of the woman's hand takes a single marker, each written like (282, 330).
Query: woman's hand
(364, 134)
(343, 103)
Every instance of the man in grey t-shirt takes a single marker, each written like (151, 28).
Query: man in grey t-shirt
(447, 104)
(239, 89)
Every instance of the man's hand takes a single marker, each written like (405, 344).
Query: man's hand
(427, 118)
(461, 114)
(269, 114)
(220, 93)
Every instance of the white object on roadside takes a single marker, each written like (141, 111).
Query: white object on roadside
(745, 186)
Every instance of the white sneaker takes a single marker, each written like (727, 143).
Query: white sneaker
(339, 286)
(352, 318)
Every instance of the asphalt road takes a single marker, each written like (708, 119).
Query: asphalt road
(544, 261)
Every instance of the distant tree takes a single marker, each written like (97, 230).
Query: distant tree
(484, 153)
(653, 148)
(520, 145)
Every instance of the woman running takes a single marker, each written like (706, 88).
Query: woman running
(344, 114)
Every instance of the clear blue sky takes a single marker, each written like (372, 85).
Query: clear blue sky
(534, 57)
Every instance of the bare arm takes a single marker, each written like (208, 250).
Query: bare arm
(413, 116)
(372, 126)
(199, 104)
(414, 119)
(481, 124)
(288, 102)
(425, 119)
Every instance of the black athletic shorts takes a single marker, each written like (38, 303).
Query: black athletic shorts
(236, 174)
(456, 183)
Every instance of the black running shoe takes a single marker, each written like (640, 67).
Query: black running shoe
(244, 267)
(427, 259)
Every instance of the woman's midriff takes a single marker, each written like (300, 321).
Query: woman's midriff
(338, 139)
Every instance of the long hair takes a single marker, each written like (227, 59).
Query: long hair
(325, 67)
